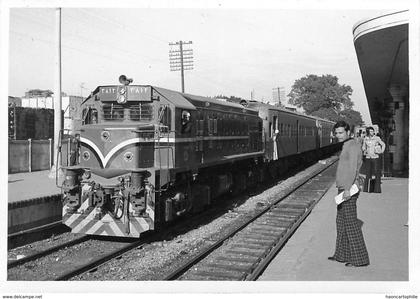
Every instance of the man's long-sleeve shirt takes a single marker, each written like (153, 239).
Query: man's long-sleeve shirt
(369, 145)
(349, 163)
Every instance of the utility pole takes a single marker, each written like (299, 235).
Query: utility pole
(180, 60)
(82, 86)
(280, 94)
(57, 90)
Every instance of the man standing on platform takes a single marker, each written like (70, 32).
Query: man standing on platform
(350, 245)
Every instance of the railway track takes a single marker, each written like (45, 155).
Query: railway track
(77, 257)
(246, 254)
(35, 234)
(246, 251)
(40, 254)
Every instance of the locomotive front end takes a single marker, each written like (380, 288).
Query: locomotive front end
(111, 190)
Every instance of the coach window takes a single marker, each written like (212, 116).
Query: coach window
(215, 124)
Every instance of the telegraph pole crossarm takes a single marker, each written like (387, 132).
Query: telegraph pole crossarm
(180, 60)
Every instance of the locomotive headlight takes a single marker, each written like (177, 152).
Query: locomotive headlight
(122, 95)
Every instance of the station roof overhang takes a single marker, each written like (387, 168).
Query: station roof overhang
(382, 51)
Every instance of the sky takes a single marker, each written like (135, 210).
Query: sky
(237, 50)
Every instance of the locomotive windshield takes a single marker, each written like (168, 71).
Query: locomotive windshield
(130, 111)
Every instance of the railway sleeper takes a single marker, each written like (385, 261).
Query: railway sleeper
(258, 241)
(273, 222)
(240, 259)
(254, 247)
(250, 246)
(211, 273)
(278, 212)
(237, 267)
(246, 252)
(290, 210)
(279, 217)
(269, 227)
(264, 231)
(297, 204)
(258, 237)
(305, 193)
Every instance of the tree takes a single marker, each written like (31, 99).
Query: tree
(327, 113)
(324, 97)
(315, 92)
(352, 117)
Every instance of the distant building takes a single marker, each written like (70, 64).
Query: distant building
(15, 102)
(69, 104)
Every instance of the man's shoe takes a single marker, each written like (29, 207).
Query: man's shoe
(351, 265)
(332, 258)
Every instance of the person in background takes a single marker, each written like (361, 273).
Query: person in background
(359, 137)
(275, 151)
(186, 122)
(372, 147)
(350, 246)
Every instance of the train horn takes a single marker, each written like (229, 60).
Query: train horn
(124, 80)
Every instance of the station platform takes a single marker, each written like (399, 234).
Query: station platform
(33, 200)
(385, 230)
(29, 185)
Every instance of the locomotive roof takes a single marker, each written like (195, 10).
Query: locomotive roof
(218, 102)
(182, 100)
(175, 97)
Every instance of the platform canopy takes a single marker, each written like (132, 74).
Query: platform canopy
(382, 51)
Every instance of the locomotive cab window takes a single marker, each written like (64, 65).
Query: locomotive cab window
(165, 118)
(89, 116)
(131, 111)
(185, 122)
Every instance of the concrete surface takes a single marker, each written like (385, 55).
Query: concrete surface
(385, 215)
(34, 200)
(29, 185)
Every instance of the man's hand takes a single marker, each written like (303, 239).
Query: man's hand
(346, 194)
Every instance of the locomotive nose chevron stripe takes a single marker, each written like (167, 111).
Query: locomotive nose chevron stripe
(105, 160)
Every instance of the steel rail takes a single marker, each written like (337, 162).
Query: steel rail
(201, 255)
(105, 258)
(48, 251)
(273, 252)
(101, 260)
(36, 229)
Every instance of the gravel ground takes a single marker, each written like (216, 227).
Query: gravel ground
(23, 251)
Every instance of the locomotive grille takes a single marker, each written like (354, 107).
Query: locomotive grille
(134, 112)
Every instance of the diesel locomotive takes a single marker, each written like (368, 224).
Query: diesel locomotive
(147, 155)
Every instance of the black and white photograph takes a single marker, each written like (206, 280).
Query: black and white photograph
(209, 147)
